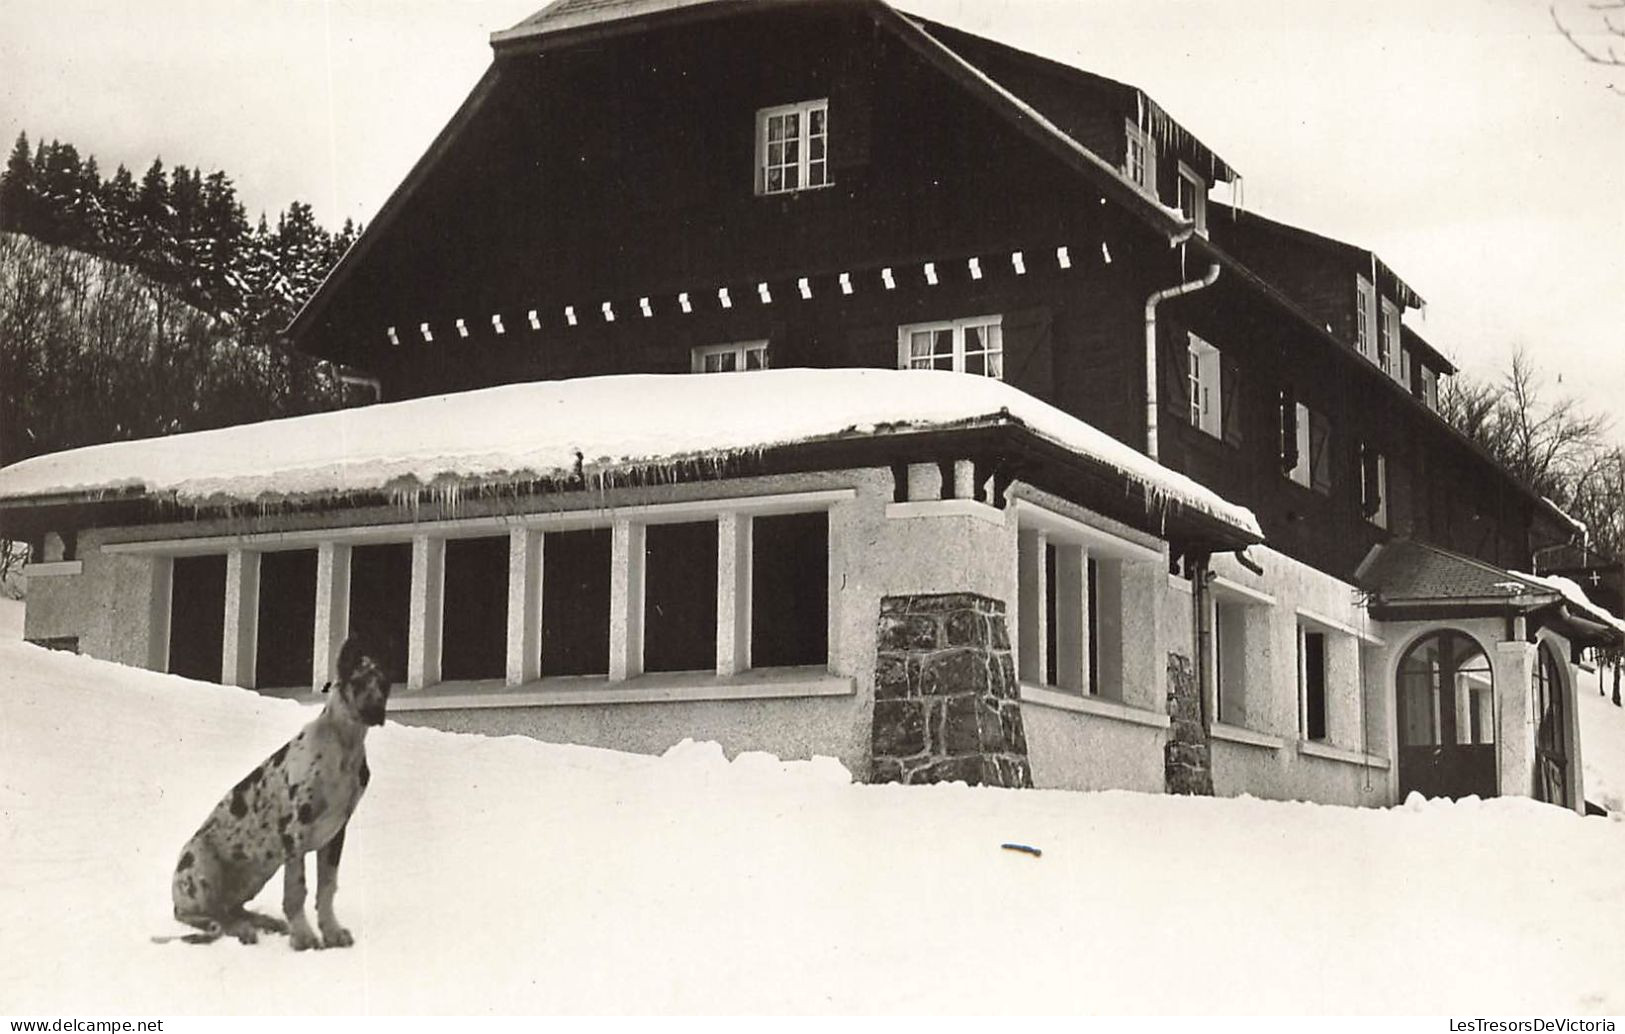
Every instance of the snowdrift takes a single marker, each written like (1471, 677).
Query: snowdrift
(506, 875)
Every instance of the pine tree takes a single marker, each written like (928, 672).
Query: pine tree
(120, 233)
(17, 189)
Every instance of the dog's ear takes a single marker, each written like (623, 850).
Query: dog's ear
(350, 655)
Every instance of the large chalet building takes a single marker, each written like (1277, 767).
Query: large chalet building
(816, 378)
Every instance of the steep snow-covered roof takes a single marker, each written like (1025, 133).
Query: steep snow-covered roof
(598, 425)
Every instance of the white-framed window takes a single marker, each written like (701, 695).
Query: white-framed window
(1193, 197)
(1365, 316)
(1403, 373)
(1238, 651)
(1203, 370)
(1301, 471)
(1140, 157)
(726, 586)
(1374, 486)
(1072, 630)
(792, 147)
(729, 358)
(1312, 669)
(1430, 388)
(972, 345)
(1388, 339)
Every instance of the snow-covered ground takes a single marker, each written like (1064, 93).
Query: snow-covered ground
(505, 875)
(1602, 746)
(11, 619)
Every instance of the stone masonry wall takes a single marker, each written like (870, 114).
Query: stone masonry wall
(947, 706)
(1187, 760)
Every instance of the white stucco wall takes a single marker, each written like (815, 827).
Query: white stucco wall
(1267, 753)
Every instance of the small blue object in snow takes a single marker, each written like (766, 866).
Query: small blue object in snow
(1024, 849)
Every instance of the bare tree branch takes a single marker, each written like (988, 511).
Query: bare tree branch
(1607, 57)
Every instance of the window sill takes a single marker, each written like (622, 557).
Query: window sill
(661, 687)
(1237, 734)
(1091, 705)
(53, 569)
(1316, 749)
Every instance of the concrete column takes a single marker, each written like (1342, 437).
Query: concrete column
(1032, 605)
(626, 601)
(241, 640)
(332, 609)
(1134, 676)
(524, 606)
(159, 603)
(1072, 617)
(924, 482)
(733, 593)
(1514, 667)
(964, 479)
(428, 598)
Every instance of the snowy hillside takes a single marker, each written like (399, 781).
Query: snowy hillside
(1602, 753)
(509, 876)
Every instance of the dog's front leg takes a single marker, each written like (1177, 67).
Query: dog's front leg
(327, 884)
(300, 935)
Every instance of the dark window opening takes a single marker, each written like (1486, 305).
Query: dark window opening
(287, 619)
(575, 602)
(197, 617)
(1092, 571)
(789, 608)
(1313, 645)
(1051, 675)
(474, 629)
(680, 597)
(381, 601)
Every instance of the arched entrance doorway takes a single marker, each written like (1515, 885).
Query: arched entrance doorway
(1551, 730)
(1446, 709)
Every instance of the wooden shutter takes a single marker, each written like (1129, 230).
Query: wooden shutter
(874, 346)
(1173, 363)
(1289, 431)
(1230, 399)
(1029, 353)
(1320, 453)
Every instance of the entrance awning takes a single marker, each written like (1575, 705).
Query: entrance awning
(1409, 580)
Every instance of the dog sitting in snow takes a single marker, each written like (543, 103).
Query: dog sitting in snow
(299, 800)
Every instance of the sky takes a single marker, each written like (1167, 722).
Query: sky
(1465, 141)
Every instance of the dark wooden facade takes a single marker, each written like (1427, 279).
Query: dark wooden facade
(613, 166)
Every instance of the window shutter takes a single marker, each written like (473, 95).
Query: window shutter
(1230, 399)
(1370, 481)
(1174, 367)
(1320, 453)
(873, 347)
(1289, 431)
(1029, 353)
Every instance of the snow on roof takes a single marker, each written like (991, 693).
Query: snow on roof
(599, 425)
(1576, 596)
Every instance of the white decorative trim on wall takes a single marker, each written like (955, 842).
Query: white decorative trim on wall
(1370, 638)
(1227, 587)
(1092, 705)
(946, 508)
(591, 691)
(1249, 737)
(1316, 749)
(53, 569)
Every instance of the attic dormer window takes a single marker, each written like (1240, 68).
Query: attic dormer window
(1193, 197)
(792, 147)
(1140, 158)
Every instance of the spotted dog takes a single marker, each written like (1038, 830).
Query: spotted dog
(299, 800)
